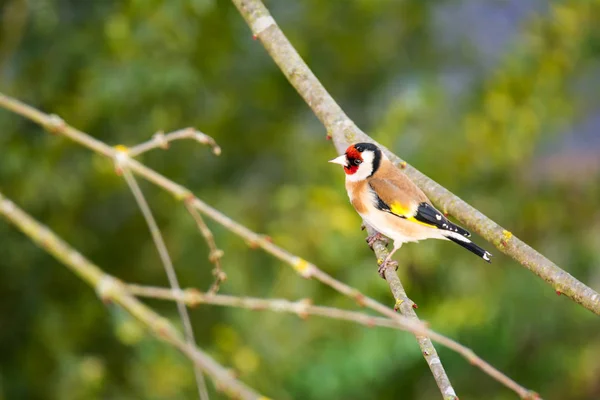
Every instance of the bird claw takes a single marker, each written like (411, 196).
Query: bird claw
(371, 239)
(387, 264)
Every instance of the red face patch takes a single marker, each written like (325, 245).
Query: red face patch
(351, 169)
(352, 155)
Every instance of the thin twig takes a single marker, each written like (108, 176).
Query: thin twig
(161, 140)
(56, 125)
(302, 308)
(111, 289)
(215, 254)
(167, 264)
(343, 131)
(406, 307)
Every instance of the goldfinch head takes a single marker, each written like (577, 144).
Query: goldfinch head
(360, 161)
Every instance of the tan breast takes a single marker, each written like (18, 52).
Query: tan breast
(392, 226)
(358, 194)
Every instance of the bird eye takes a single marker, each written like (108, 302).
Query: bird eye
(357, 162)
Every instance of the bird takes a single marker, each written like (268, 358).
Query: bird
(389, 202)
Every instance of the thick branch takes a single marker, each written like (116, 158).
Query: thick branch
(344, 132)
(56, 125)
(111, 289)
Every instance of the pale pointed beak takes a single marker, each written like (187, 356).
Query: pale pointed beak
(340, 160)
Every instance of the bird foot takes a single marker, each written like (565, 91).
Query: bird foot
(387, 263)
(371, 239)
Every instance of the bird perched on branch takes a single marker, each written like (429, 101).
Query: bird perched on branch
(393, 205)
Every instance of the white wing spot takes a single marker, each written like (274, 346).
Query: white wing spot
(438, 217)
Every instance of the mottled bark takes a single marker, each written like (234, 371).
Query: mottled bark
(344, 132)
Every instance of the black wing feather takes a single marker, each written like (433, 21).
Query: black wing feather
(381, 205)
(427, 214)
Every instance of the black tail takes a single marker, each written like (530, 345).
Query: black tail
(472, 247)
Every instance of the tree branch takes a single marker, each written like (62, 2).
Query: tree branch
(165, 258)
(111, 289)
(215, 254)
(344, 132)
(56, 125)
(406, 308)
(161, 140)
(302, 308)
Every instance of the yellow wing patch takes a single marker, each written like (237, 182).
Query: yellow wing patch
(413, 219)
(400, 210)
(405, 212)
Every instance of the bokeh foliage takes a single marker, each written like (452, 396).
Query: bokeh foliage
(503, 123)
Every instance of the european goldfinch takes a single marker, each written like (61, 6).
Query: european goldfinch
(393, 205)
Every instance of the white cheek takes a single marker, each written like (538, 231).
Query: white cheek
(365, 169)
(363, 172)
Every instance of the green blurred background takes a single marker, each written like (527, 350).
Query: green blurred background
(495, 100)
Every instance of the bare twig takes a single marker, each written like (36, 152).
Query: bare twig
(111, 289)
(344, 132)
(56, 125)
(406, 308)
(167, 264)
(215, 254)
(161, 140)
(302, 308)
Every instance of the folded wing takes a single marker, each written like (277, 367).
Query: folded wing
(402, 198)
